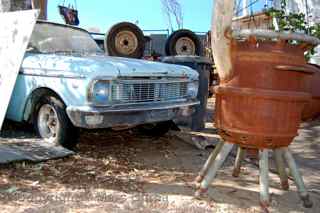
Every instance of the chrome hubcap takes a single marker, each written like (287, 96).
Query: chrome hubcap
(185, 46)
(48, 123)
(126, 42)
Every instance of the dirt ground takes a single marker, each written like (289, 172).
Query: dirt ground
(129, 172)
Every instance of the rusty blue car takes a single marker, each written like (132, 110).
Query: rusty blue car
(66, 82)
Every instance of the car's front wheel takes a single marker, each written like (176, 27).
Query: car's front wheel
(53, 124)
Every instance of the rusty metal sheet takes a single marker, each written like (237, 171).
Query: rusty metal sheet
(15, 32)
(34, 150)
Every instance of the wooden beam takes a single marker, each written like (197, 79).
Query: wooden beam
(43, 6)
(221, 22)
(15, 32)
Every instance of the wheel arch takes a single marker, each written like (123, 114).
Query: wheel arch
(34, 98)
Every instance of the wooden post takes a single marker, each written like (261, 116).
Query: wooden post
(221, 22)
(15, 30)
(43, 6)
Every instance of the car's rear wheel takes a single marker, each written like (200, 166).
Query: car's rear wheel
(53, 125)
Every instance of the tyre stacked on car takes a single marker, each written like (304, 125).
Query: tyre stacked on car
(183, 47)
(125, 39)
(183, 42)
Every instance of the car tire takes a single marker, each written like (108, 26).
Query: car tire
(183, 42)
(157, 129)
(52, 123)
(125, 40)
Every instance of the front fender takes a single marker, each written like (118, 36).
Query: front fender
(72, 91)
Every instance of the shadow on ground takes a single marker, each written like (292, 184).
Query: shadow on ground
(125, 165)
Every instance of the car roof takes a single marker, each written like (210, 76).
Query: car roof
(61, 25)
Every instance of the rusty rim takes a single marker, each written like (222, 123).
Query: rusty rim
(48, 123)
(126, 42)
(270, 34)
(185, 46)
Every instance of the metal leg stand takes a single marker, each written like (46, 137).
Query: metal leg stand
(307, 203)
(278, 154)
(208, 163)
(220, 154)
(213, 169)
(264, 178)
(241, 153)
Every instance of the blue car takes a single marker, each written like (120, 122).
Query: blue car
(66, 82)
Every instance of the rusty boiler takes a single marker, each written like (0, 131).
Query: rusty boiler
(260, 105)
(266, 87)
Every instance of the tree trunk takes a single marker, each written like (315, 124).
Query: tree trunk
(42, 5)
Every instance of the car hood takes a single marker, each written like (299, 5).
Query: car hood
(107, 66)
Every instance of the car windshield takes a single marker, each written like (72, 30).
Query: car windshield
(54, 38)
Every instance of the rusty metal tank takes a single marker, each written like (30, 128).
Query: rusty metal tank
(260, 105)
(269, 65)
(257, 118)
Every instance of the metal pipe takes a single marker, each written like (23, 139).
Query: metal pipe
(269, 34)
(297, 178)
(221, 158)
(278, 154)
(208, 163)
(264, 178)
(241, 153)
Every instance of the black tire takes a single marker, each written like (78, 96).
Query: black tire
(171, 43)
(157, 129)
(66, 134)
(136, 34)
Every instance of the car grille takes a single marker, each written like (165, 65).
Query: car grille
(137, 91)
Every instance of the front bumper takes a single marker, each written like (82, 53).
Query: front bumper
(121, 116)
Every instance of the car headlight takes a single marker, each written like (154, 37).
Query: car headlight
(100, 92)
(192, 90)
